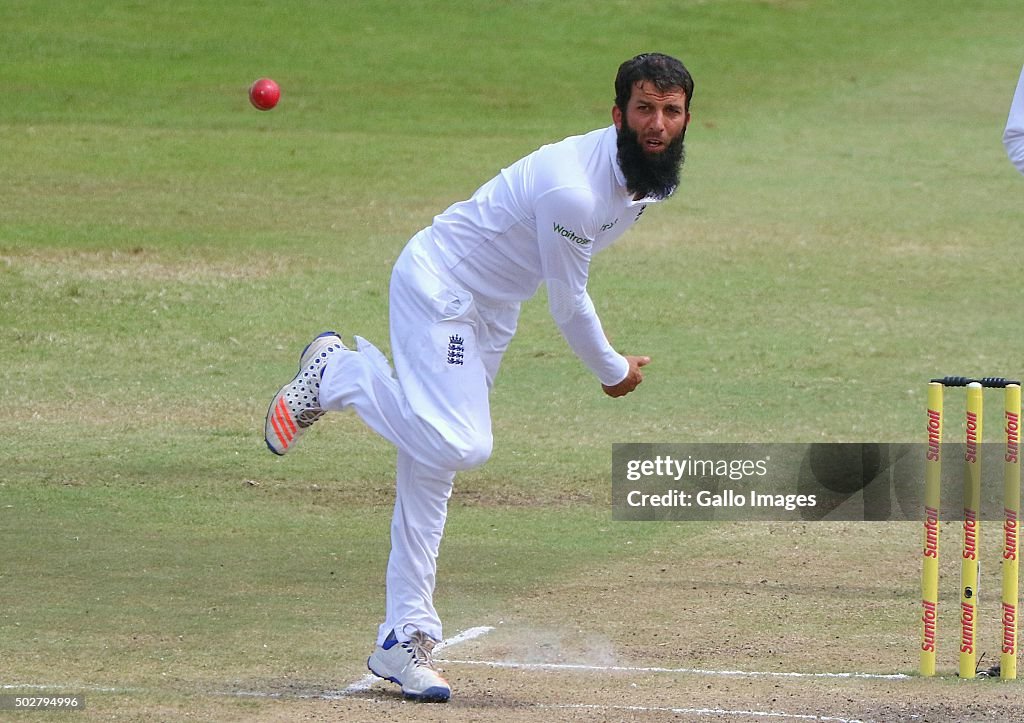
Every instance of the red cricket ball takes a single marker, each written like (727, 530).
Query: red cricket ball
(264, 94)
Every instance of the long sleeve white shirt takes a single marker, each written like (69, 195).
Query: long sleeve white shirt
(540, 221)
(1013, 136)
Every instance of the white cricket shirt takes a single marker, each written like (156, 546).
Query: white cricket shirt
(539, 221)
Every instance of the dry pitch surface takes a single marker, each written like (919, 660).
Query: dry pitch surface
(756, 622)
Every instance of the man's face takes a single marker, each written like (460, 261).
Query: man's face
(656, 117)
(650, 139)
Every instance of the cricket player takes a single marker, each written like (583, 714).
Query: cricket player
(1013, 136)
(454, 301)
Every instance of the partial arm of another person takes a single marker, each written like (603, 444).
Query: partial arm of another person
(1013, 136)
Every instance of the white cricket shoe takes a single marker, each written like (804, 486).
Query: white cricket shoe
(295, 408)
(411, 665)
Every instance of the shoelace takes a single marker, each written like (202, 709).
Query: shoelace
(422, 647)
(306, 417)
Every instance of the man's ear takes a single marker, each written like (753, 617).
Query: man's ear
(617, 117)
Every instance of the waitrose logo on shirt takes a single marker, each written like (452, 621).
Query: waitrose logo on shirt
(570, 234)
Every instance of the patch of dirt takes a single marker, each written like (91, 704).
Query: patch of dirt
(744, 622)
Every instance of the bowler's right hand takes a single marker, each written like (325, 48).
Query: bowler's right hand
(633, 377)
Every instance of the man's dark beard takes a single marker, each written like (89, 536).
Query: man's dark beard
(649, 174)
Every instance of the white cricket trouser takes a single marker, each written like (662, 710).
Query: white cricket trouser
(447, 347)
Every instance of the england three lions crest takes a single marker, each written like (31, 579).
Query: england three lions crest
(456, 350)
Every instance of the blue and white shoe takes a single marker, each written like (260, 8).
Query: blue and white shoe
(297, 405)
(411, 665)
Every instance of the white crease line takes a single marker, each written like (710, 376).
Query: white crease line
(685, 671)
(462, 637)
(616, 708)
(701, 711)
(363, 684)
(67, 686)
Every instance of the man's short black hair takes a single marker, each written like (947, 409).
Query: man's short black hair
(664, 71)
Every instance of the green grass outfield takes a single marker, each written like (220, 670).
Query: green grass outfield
(848, 226)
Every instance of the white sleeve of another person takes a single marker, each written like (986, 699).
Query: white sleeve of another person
(1013, 136)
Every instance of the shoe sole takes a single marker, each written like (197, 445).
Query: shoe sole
(276, 401)
(430, 695)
